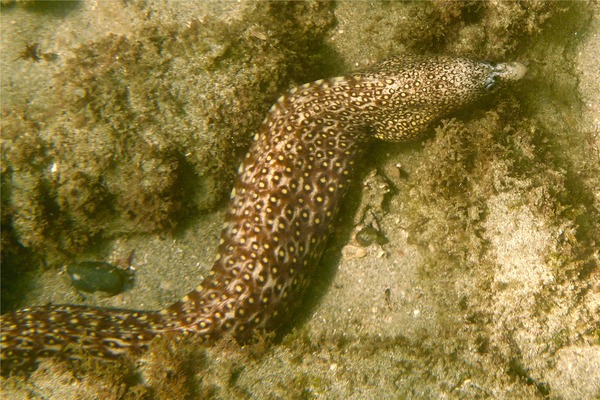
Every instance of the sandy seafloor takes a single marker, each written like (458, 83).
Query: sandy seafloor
(501, 302)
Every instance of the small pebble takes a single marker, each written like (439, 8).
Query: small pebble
(350, 252)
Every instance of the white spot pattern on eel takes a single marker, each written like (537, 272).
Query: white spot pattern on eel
(281, 210)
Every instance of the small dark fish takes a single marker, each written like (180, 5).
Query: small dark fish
(99, 276)
(369, 235)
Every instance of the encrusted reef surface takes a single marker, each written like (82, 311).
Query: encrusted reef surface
(123, 124)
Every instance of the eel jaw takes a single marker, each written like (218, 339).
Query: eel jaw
(506, 72)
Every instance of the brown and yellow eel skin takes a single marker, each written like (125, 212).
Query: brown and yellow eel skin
(282, 208)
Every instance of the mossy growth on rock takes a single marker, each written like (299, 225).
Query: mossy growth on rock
(483, 29)
(136, 133)
(506, 237)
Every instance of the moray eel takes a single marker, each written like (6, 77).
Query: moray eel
(282, 208)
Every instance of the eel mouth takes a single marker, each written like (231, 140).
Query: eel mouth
(512, 71)
(506, 72)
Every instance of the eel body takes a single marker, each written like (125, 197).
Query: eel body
(282, 208)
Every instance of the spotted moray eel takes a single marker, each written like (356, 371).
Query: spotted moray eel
(282, 208)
